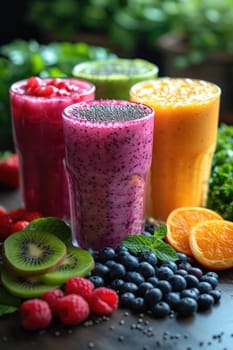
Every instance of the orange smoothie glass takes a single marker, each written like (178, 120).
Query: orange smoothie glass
(185, 135)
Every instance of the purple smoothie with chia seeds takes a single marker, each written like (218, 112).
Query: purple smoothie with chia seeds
(108, 148)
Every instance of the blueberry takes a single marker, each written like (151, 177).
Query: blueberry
(172, 298)
(129, 261)
(100, 270)
(205, 301)
(189, 293)
(150, 227)
(216, 294)
(126, 299)
(181, 272)
(129, 287)
(187, 306)
(191, 280)
(164, 286)
(171, 264)
(212, 274)
(135, 277)
(161, 309)
(121, 249)
(153, 296)
(143, 288)
(97, 281)
(184, 264)
(182, 257)
(210, 279)
(178, 283)
(149, 257)
(106, 253)
(146, 233)
(195, 271)
(146, 269)
(117, 284)
(204, 287)
(164, 272)
(153, 280)
(110, 263)
(117, 271)
(138, 304)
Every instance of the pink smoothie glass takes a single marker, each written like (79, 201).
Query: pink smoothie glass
(36, 109)
(108, 148)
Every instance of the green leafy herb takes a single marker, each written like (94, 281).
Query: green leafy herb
(155, 243)
(220, 196)
(8, 302)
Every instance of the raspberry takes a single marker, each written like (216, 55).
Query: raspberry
(72, 309)
(104, 301)
(35, 314)
(52, 296)
(80, 286)
(5, 226)
(19, 225)
(3, 211)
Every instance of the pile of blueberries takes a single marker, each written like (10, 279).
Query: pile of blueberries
(146, 284)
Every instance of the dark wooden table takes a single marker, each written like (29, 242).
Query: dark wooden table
(124, 330)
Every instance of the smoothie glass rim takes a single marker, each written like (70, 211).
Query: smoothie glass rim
(182, 103)
(154, 69)
(17, 88)
(67, 112)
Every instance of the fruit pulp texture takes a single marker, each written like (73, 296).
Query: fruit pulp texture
(39, 142)
(108, 164)
(185, 135)
(114, 78)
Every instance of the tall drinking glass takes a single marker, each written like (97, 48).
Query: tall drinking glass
(36, 108)
(108, 147)
(185, 136)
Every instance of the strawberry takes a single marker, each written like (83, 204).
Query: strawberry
(9, 170)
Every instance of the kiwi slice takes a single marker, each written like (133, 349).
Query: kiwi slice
(22, 287)
(52, 225)
(78, 262)
(29, 253)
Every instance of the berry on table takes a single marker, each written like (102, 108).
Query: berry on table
(104, 301)
(80, 286)
(72, 309)
(52, 296)
(35, 314)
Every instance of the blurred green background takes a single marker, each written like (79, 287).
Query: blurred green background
(191, 38)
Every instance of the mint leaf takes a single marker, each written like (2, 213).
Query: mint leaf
(160, 231)
(164, 251)
(52, 225)
(7, 309)
(138, 243)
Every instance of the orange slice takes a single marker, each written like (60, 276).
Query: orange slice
(211, 243)
(179, 223)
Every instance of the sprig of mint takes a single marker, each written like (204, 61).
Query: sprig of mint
(154, 243)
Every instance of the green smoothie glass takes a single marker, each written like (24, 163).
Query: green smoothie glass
(114, 78)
